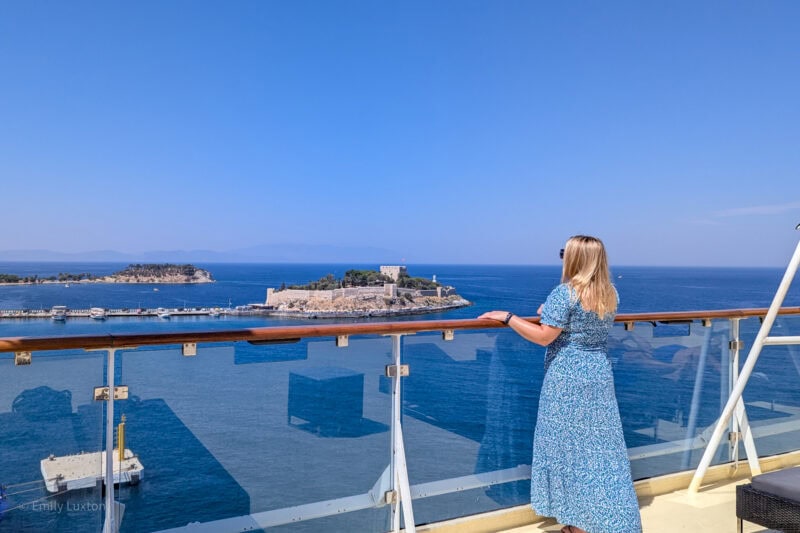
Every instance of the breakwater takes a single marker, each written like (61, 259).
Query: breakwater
(138, 312)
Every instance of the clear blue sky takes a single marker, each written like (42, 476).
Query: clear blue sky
(457, 132)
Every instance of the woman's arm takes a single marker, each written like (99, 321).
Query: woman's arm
(538, 333)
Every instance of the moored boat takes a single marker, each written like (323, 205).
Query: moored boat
(59, 313)
(97, 313)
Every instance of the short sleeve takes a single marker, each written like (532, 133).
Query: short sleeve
(555, 311)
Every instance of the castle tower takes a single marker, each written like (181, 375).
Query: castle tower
(393, 271)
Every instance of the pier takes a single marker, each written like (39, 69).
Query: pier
(138, 312)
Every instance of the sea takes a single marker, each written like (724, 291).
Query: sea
(181, 412)
(518, 288)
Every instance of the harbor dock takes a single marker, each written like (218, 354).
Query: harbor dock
(137, 312)
(87, 470)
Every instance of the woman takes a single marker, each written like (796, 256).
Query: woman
(580, 469)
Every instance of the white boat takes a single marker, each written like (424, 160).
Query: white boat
(213, 312)
(97, 313)
(59, 312)
(162, 313)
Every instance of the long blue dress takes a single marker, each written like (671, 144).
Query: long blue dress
(580, 469)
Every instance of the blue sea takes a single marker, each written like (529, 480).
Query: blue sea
(236, 429)
(518, 288)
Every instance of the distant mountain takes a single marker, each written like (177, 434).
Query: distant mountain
(268, 253)
(109, 256)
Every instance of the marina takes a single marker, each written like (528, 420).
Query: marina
(62, 313)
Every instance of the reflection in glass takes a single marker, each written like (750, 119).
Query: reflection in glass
(46, 409)
(241, 430)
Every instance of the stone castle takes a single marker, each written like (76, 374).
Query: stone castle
(388, 290)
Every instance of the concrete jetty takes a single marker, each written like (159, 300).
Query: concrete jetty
(123, 312)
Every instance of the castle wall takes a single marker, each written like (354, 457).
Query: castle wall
(390, 290)
(276, 298)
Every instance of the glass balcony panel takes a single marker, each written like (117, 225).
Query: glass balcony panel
(772, 394)
(239, 433)
(671, 383)
(47, 410)
(470, 408)
(469, 411)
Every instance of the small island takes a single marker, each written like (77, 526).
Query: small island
(134, 273)
(160, 273)
(363, 293)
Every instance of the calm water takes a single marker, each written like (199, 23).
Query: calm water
(169, 419)
(518, 288)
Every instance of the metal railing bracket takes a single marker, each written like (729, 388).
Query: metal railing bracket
(22, 358)
(391, 371)
(120, 393)
(342, 341)
(448, 334)
(189, 349)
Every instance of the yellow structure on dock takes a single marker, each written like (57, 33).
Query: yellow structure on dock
(88, 470)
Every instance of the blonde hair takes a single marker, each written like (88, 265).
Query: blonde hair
(586, 271)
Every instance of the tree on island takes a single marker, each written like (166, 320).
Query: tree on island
(407, 282)
(363, 278)
(158, 270)
(326, 283)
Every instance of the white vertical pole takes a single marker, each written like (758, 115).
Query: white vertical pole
(110, 525)
(747, 369)
(396, 412)
(739, 423)
(733, 375)
(399, 471)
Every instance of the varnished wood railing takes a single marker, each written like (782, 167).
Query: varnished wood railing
(290, 333)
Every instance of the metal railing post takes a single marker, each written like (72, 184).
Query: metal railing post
(733, 375)
(399, 484)
(111, 524)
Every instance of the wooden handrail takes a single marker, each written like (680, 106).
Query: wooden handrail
(283, 333)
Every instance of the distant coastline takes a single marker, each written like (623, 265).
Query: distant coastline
(151, 273)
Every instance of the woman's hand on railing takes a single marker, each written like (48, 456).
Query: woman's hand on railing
(499, 316)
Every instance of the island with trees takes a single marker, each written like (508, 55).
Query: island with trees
(134, 273)
(363, 293)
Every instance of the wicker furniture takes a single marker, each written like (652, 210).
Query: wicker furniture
(771, 500)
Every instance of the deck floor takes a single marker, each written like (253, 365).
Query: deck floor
(713, 509)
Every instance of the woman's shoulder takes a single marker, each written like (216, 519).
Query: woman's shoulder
(562, 290)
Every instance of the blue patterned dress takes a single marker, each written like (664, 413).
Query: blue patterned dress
(580, 471)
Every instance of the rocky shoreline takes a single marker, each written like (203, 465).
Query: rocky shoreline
(370, 309)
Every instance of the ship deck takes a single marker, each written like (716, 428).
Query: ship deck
(711, 509)
(665, 503)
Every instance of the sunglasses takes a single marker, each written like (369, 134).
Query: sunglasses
(561, 254)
